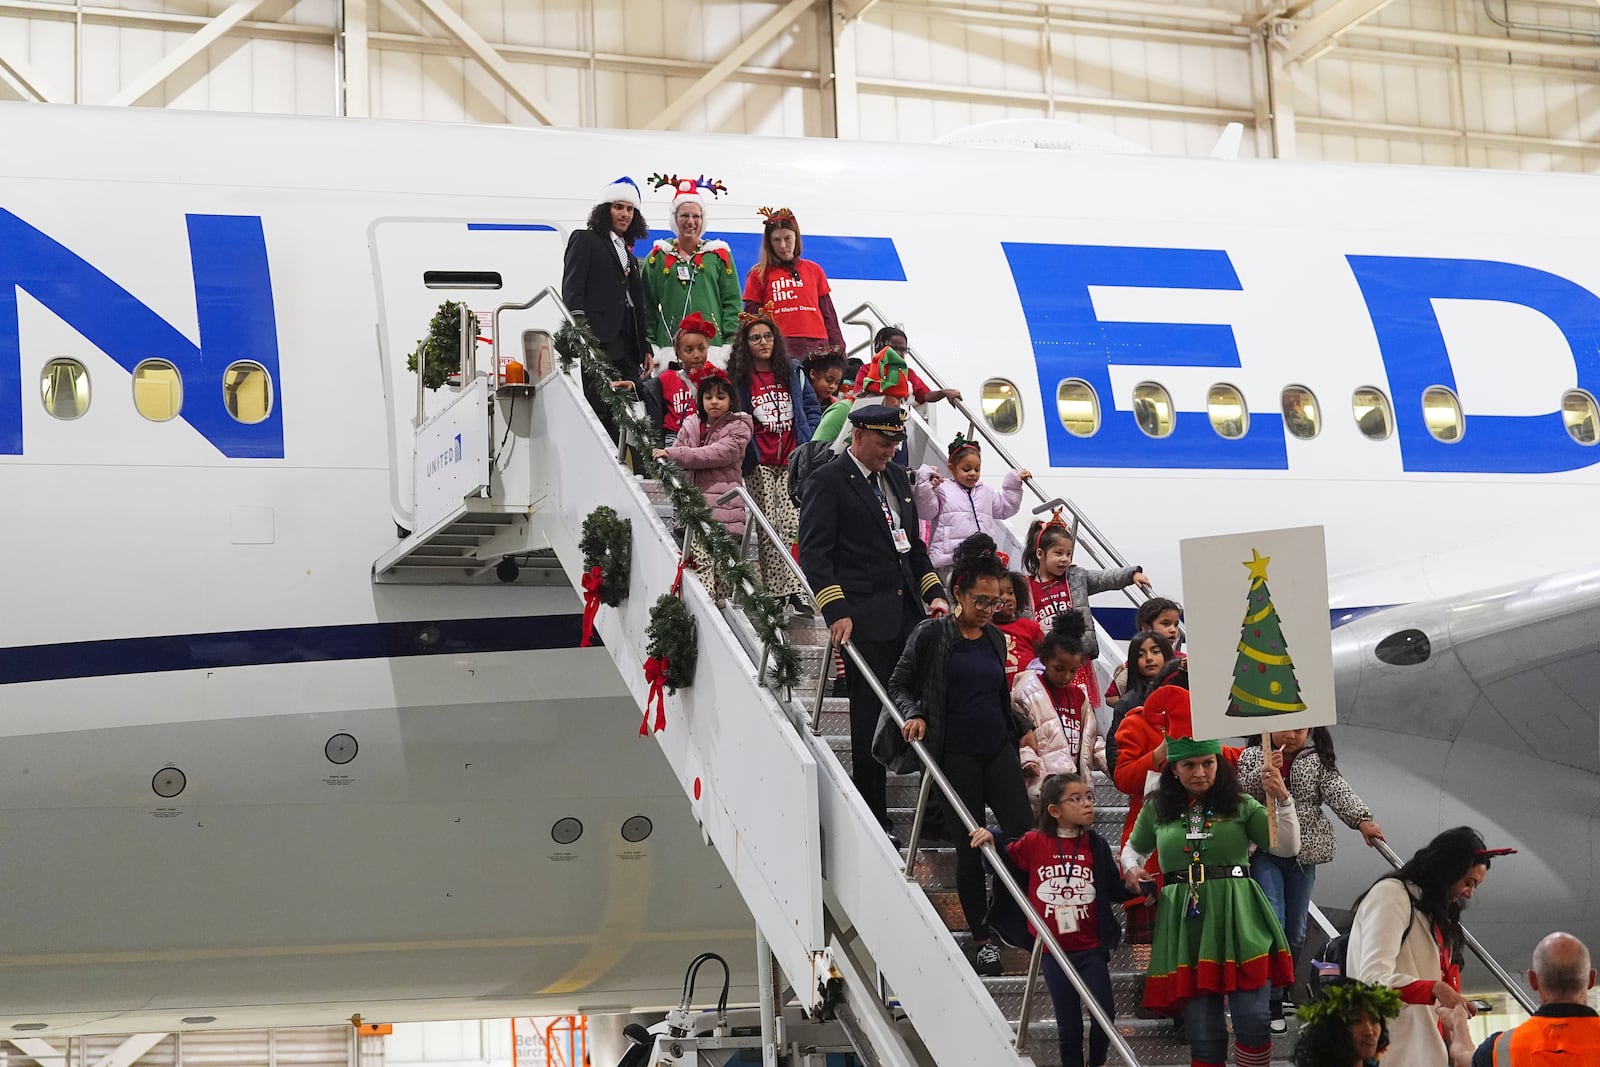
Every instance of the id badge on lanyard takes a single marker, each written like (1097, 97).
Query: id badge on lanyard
(902, 543)
(683, 272)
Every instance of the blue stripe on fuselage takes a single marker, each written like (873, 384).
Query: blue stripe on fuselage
(299, 644)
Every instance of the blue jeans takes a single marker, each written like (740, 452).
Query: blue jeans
(1207, 1028)
(1093, 966)
(1287, 884)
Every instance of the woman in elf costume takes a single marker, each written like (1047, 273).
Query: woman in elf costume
(1216, 936)
(883, 381)
(688, 274)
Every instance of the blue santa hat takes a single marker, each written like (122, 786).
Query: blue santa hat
(624, 189)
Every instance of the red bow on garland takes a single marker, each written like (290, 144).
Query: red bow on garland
(655, 672)
(591, 605)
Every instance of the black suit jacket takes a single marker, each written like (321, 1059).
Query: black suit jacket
(592, 282)
(848, 553)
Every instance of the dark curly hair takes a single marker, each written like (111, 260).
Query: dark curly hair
(973, 559)
(1327, 1043)
(739, 360)
(600, 223)
(1065, 635)
(1172, 799)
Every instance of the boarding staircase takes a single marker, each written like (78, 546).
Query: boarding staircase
(861, 932)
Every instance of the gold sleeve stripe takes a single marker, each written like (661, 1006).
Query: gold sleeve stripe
(929, 580)
(829, 595)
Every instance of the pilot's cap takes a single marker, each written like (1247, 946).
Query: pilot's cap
(889, 421)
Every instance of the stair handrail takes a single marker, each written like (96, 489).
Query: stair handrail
(930, 770)
(979, 426)
(1501, 975)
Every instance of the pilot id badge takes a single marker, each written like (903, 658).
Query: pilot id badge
(902, 543)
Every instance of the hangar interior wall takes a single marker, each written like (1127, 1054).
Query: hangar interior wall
(1500, 83)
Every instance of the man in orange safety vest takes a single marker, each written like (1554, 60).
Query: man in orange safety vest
(1565, 1031)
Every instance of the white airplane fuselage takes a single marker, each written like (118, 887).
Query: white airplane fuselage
(197, 594)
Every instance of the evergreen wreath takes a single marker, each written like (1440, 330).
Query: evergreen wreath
(672, 638)
(768, 614)
(442, 346)
(607, 543)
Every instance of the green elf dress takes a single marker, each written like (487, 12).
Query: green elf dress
(676, 285)
(1219, 935)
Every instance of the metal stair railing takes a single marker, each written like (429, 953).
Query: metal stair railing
(1097, 544)
(932, 774)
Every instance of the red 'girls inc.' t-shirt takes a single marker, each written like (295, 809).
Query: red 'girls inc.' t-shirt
(1061, 885)
(677, 400)
(794, 297)
(772, 409)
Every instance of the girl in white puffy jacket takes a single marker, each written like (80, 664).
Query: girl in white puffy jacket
(1065, 730)
(961, 505)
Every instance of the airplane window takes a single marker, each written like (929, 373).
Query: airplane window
(1002, 406)
(64, 385)
(1152, 409)
(157, 390)
(1579, 413)
(1078, 407)
(1441, 412)
(247, 391)
(1371, 409)
(1406, 648)
(1301, 415)
(1229, 417)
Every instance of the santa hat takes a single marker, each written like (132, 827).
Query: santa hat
(1170, 704)
(886, 375)
(698, 323)
(686, 191)
(624, 189)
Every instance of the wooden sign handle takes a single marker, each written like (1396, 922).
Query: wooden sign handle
(1272, 805)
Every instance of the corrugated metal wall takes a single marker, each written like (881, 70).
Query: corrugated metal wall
(1421, 81)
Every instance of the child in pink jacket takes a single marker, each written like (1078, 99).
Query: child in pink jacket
(959, 506)
(710, 447)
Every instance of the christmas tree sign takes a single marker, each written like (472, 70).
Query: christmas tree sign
(1259, 639)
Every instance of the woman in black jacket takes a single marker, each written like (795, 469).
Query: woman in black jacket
(950, 686)
(600, 279)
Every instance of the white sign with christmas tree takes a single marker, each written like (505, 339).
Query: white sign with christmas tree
(1260, 641)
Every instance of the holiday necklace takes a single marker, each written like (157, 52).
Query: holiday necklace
(1196, 838)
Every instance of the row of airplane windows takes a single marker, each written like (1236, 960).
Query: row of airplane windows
(157, 390)
(1078, 408)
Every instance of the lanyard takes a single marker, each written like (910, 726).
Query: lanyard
(883, 502)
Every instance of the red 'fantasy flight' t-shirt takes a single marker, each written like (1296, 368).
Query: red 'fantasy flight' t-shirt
(1069, 704)
(794, 297)
(1061, 885)
(772, 409)
(677, 400)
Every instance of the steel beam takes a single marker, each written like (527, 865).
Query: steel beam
(357, 86)
(846, 97)
(25, 80)
(179, 57)
(492, 61)
(1320, 32)
(779, 21)
(132, 1049)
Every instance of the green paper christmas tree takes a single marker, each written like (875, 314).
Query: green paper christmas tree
(1263, 676)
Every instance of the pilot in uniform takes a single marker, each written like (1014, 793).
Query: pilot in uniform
(862, 552)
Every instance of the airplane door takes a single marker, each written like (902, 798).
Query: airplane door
(420, 263)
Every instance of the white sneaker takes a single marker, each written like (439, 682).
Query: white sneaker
(1278, 1026)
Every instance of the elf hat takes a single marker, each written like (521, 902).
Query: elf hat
(698, 323)
(624, 189)
(1188, 748)
(886, 375)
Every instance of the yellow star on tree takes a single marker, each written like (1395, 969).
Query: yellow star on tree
(1257, 565)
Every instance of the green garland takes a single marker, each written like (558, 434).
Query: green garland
(442, 345)
(672, 638)
(607, 543)
(768, 614)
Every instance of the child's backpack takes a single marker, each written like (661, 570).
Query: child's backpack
(802, 461)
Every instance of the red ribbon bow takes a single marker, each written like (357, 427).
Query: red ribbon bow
(655, 672)
(591, 604)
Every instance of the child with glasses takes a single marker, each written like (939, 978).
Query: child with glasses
(1065, 730)
(1073, 880)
